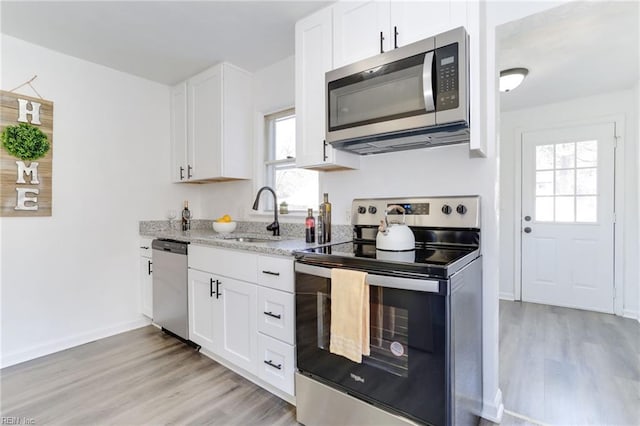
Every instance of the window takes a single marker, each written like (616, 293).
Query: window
(567, 182)
(297, 187)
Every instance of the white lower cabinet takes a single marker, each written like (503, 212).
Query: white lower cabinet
(277, 363)
(201, 309)
(235, 316)
(239, 312)
(146, 278)
(275, 314)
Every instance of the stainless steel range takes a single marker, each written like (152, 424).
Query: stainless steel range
(424, 363)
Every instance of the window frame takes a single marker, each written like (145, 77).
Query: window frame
(269, 165)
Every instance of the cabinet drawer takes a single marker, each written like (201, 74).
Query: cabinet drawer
(276, 272)
(275, 314)
(276, 363)
(145, 247)
(230, 263)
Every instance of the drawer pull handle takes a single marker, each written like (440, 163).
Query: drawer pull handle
(271, 314)
(144, 247)
(277, 274)
(271, 364)
(149, 263)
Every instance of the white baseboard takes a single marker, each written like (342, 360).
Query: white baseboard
(506, 296)
(493, 410)
(631, 313)
(69, 342)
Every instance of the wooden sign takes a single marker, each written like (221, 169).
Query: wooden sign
(26, 154)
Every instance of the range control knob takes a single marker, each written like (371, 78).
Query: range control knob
(373, 209)
(446, 209)
(462, 209)
(362, 209)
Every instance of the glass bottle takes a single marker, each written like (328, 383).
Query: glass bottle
(310, 227)
(326, 218)
(186, 217)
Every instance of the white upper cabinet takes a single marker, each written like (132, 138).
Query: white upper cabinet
(218, 112)
(417, 20)
(365, 29)
(314, 57)
(361, 30)
(179, 132)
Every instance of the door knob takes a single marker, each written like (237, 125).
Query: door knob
(527, 230)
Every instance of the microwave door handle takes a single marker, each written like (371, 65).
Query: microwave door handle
(427, 82)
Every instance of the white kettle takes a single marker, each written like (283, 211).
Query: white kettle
(395, 236)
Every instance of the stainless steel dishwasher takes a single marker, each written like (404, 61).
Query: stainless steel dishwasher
(170, 303)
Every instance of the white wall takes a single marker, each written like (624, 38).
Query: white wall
(73, 277)
(274, 90)
(605, 107)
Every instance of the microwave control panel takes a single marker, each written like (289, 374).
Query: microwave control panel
(447, 87)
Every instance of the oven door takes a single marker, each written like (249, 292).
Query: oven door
(406, 369)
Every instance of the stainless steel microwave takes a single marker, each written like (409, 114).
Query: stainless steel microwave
(411, 97)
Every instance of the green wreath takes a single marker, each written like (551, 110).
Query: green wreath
(25, 141)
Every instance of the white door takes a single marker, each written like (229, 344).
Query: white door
(415, 20)
(568, 217)
(205, 123)
(179, 132)
(356, 30)
(235, 319)
(202, 301)
(146, 286)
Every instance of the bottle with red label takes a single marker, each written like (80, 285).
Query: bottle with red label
(310, 227)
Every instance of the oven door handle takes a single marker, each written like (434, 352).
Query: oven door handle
(415, 284)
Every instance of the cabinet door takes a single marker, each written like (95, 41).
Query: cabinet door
(418, 20)
(313, 59)
(205, 121)
(146, 286)
(356, 30)
(201, 309)
(237, 124)
(179, 132)
(235, 315)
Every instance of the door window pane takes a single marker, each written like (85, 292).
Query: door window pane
(587, 181)
(565, 155)
(565, 182)
(587, 154)
(587, 209)
(565, 209)
(544, 209)
(544, 157)
(544, 183)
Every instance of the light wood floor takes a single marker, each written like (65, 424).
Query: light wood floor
(564, 366)
(557, 366)
(138, 377)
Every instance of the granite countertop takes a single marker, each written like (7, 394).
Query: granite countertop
(284, 245)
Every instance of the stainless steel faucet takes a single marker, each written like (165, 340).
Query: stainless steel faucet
(275, 226)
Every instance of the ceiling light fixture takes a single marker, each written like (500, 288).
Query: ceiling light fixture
(511, 78)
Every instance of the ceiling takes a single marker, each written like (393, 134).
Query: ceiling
(163, 41)
(575, 50)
